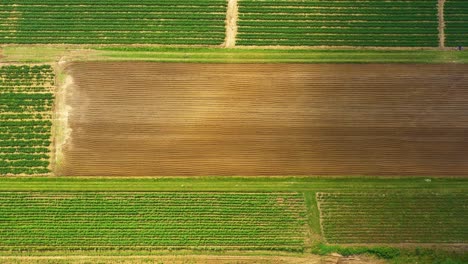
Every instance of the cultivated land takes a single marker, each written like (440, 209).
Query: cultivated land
(167, 22)
(151, 221)
(208, 119)
(257, 95)
(394, 217)
(26, 99)
(374, 23)
(338, 23)
(456, 20)
(146, 216)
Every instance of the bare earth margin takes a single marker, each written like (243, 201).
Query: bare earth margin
(61, 130)
(195, 259)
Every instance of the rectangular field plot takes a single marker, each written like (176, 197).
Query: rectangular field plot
(151, 119)
(112, 22)
(394, 217)
(26, 99)
(338, 23)
(122, 220)
(456, 23)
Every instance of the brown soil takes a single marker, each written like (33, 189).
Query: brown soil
(150, 119)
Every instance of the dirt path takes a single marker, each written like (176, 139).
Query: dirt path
(194, 259)
(232, 15)
(440, 8)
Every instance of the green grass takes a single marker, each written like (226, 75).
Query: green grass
(239, 55)
(50, 54)
(397, 255)
(231, 184)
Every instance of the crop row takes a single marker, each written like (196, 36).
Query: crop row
(329, 42)
(94, 26)
(113, 2)
(342, 4)
(394, 217)
(93, 220)
(26, 100)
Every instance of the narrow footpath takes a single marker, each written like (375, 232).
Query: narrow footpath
(440, 7)
(232, 15)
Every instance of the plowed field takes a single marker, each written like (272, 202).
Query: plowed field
(150, 119)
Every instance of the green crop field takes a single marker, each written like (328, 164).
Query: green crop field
(49, 216)
(113, 22)
(26, 99)
(456, 22)
(338, 23)
(149, 220)
(260, 22)
(394, 217)
(124, 85)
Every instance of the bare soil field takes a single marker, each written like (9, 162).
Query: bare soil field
(152, 119)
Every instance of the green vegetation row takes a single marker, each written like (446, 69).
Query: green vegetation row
(26, 99)
(186, 22)
(338, 23)
(456, 23)
(164, 220)
(394, 217)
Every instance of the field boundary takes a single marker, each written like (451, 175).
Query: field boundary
(51, 54)
(61, 130)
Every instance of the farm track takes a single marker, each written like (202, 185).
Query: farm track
(440, 14)
(150, 119)
(232, 15)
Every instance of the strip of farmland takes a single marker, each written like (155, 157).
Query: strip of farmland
(456, 22)
(394, 217)
(169, 22)
(150, 119)
(26, 99)
(338, 23)
(121, 220)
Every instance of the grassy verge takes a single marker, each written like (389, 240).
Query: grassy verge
(397, 255)
(235, 184)
(51, 53)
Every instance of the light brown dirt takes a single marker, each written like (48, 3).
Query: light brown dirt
(232, 14)
(150, 119)
(193, 259)
(440, 14)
